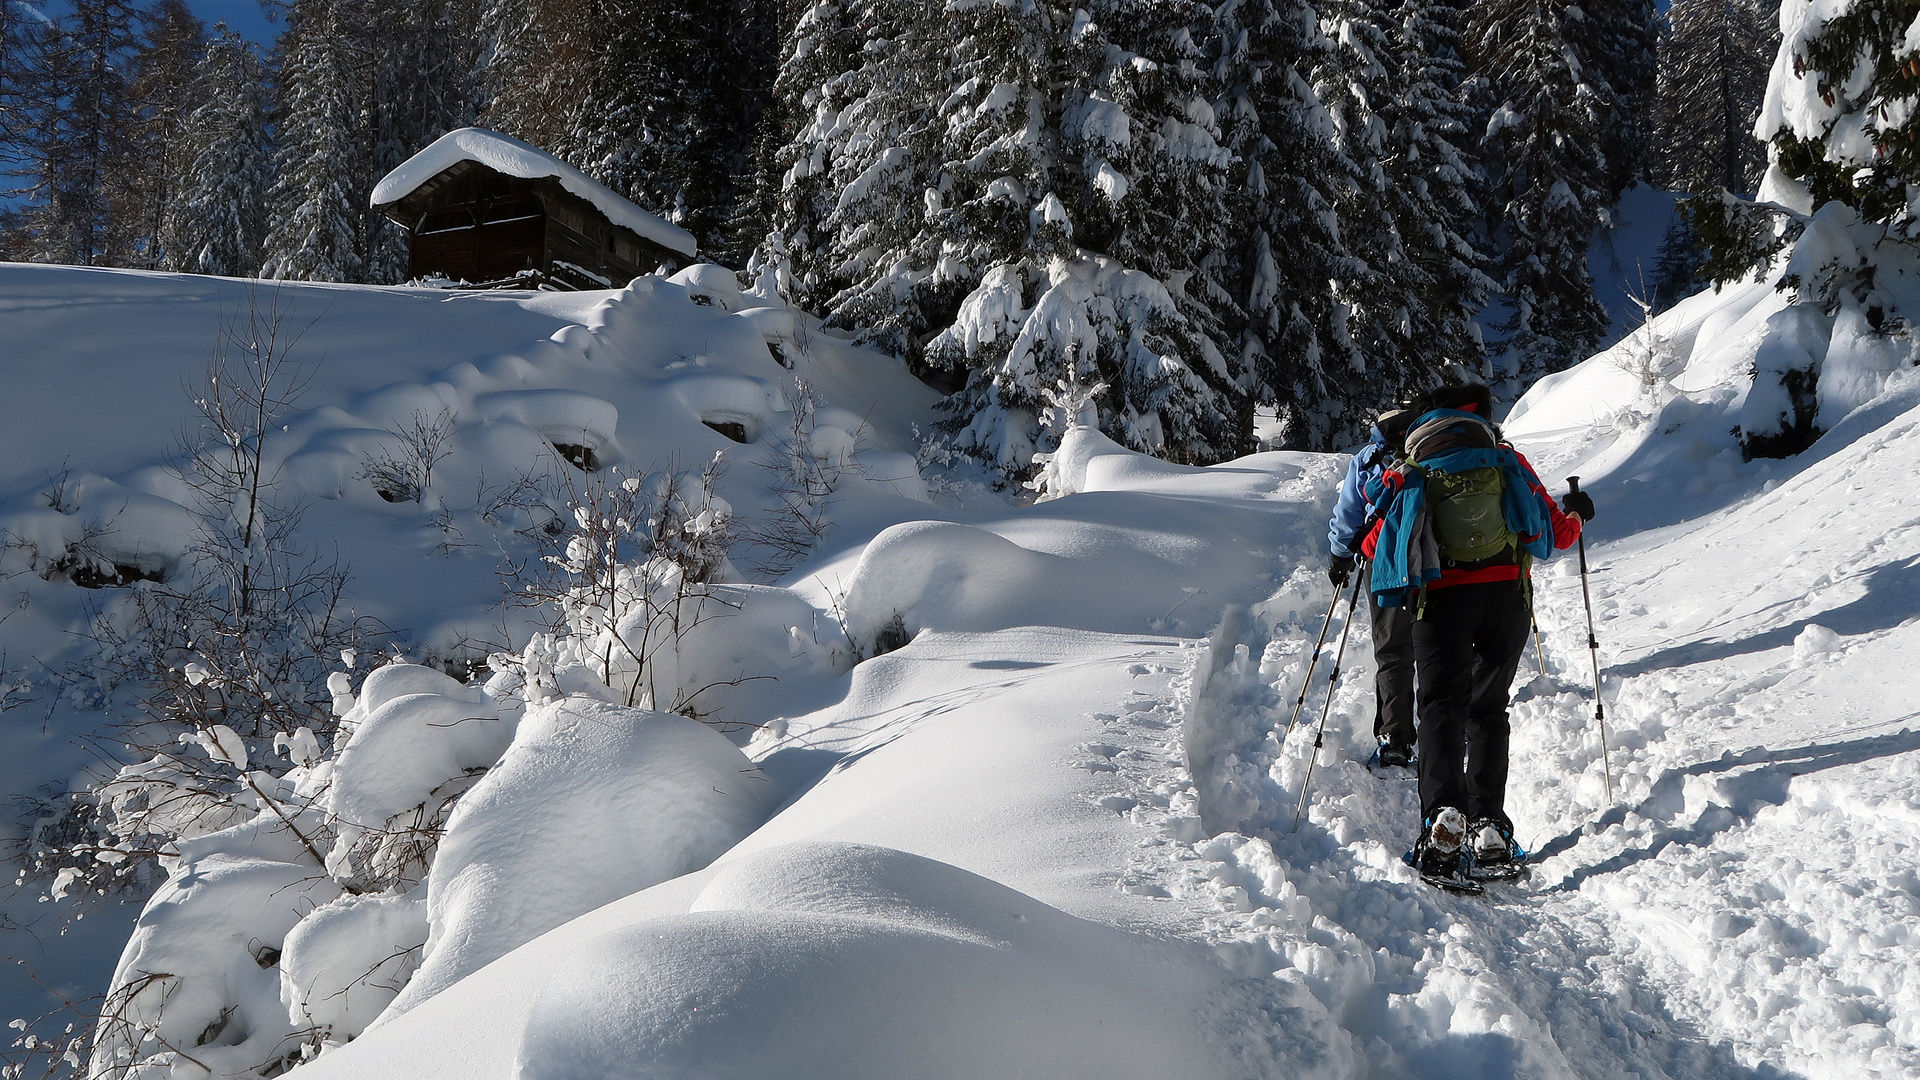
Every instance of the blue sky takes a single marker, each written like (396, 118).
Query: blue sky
(246, 16)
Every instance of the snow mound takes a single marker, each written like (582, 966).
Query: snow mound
(1088, 460)
(851, 962)
(505, 154)
(346, 962)
(604, 799)
(407, 756)
(199, 969)
(1131, 544)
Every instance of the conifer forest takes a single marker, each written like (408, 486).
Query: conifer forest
(1307, 207)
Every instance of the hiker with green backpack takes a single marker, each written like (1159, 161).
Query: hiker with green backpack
(1463, 517)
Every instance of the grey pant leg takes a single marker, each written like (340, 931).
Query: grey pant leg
(1393, 675)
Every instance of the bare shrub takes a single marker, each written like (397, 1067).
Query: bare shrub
(803, 483)
(226, 659)
(406, 474)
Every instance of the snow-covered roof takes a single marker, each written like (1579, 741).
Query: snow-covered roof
(505, 154)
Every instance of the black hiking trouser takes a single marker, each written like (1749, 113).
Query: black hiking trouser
(1467, 645)
(1393, 663)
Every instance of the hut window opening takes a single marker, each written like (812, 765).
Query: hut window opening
(440, 221)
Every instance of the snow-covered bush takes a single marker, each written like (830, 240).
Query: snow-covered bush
(197, 991)
(414, 741)
(344, 964)
(427, 846)
(628, 582)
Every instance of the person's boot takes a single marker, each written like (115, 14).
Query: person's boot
(1439, 855)
(1492, 841)
(1495, 853)
(1396, 755)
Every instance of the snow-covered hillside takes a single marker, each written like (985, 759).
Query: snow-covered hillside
(1051, 833)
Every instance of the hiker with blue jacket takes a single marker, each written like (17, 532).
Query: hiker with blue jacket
(1464, 517)
(1352, 534)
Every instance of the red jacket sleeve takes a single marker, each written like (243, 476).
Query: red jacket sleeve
(1566, 527)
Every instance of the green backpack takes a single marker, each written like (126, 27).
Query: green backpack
(1468, 508)
(1469, 514)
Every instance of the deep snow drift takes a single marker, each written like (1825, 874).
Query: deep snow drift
(1050, 833)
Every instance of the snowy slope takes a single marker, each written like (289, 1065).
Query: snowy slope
(1763, 828)
(1053, 834)
(101, 366)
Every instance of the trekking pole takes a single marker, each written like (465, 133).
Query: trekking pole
(1333, 682)
(1537, 654)
(1307, 681)
(1593, 651)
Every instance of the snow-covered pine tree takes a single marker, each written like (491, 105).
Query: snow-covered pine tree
(217, 220)
(1390, 81)
(1021, 195)
(1082, 191)
(1550, 119)
(1841, 111)
(164, 90)
(744, 70)
(533, 66)
(318, 202)
(1621, 53)
(1677, 271)
(999, 143)
(862, 82)
(1356, 79)
(1289, 254)
(1145, 185)
(647, 122)
(79, 136)
(659, 100)
(1431, 178)
(1842, 114)
(1713, 74)
(420, 59)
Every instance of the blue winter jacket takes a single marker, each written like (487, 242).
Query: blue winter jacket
(1396, 570)
(1350, 512)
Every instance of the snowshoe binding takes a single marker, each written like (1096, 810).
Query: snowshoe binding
(1439, 854)
(1495, 855)
(1392, 761)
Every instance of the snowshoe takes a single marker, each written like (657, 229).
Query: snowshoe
(1495, 855)
(1439, 857)
(1453, 881)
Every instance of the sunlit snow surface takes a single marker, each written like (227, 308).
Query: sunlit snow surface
(1053, 835)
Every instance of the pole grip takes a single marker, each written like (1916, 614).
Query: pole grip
(1573, 483)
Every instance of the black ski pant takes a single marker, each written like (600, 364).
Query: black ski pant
(1393, 663)
(1467, 645)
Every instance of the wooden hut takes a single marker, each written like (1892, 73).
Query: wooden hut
(494, 212)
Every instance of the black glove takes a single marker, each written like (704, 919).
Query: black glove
(1578, 502)
(1339, 570)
